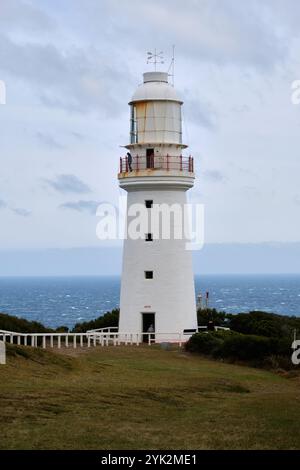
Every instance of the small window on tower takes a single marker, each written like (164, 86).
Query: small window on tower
(149, 237)
(148, 274)
(149, 204)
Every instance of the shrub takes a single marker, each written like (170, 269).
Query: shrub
(108, 319)
(205, 343)
(278, 362)
(263, 324)
(62, 329)
(20, 325)
(211, 314)
(248, 347)
(236, 346)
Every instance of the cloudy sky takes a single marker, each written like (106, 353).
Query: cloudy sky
(70, 67)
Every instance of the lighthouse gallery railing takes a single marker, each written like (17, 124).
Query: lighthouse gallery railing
(157, 162)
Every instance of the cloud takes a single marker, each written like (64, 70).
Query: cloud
(214, 176)
(297, 200)
(76, 76)
(81, 206)
(199, 112)
(17, 14)
(69, 184)
(49, 141)
(21, 212)
(16, 210)
(233, 65)
(240, 109)
(80, 79)
(77, 135)
(223, 33)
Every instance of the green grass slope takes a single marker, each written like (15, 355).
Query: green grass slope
(142, 398)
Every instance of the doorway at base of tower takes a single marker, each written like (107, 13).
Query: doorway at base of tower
(148, 325)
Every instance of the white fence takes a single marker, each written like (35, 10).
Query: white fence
(102, 336)
(88, 339)
(47, 339)
(108, 329)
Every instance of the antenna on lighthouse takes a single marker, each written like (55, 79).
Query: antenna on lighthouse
(155, 58)
(172, 66)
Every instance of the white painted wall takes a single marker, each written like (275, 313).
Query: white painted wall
(171, 294)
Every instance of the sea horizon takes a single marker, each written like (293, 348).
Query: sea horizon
(37, 276)
(67, 300)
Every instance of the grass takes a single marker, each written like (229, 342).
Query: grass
(142, 398)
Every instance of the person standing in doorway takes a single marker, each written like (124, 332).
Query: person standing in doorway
(151, 331)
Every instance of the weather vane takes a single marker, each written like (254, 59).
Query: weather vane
(155, 58)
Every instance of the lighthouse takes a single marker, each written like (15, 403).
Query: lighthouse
(157, 285)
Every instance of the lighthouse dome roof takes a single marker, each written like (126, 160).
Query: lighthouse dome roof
(155, 87)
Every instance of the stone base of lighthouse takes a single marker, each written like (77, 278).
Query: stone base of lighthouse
(165, 302)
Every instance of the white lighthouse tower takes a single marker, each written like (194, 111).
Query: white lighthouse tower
(157, 288)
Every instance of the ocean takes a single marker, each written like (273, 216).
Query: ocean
(56, 301)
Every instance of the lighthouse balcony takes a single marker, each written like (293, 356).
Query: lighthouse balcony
(153, 163)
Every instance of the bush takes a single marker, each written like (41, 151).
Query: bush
(20, 325)
(206, 343)
(236, 346)
(248, 347)
(62, 329)
(278, 362)
(264, 324)
(109, 319)
(211, 315)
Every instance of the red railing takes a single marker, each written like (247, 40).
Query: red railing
(157, 162)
